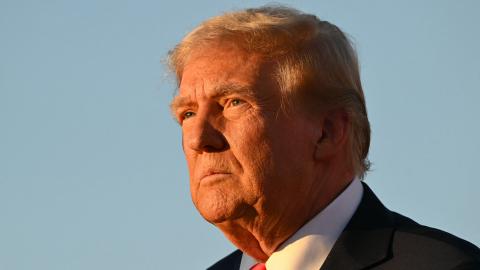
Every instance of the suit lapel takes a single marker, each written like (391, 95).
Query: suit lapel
(366, 240)
(231, 262)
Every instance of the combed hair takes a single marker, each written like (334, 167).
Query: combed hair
(314, 61)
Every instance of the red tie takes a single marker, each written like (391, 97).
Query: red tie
(259, 266)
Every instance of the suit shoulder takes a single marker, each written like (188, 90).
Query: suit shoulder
(230, 262)
(417, 240)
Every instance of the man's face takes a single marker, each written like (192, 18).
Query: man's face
(245, 156)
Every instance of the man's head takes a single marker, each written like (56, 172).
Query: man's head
(273, 120)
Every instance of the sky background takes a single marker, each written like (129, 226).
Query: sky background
(92, 175)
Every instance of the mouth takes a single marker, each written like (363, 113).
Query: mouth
(214, 176)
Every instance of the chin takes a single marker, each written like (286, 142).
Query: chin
(217, 208)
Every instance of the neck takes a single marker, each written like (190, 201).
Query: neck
(259, 235)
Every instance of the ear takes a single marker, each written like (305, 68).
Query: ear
(333, 134)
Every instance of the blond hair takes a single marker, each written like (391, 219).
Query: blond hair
(314, 59)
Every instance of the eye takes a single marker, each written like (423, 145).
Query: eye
(234, 102)
(187, 115)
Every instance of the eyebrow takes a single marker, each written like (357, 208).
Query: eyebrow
(218, 92)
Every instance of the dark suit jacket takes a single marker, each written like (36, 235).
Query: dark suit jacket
(377, 238)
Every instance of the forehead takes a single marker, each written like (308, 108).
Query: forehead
(221, 64)
(221, 70)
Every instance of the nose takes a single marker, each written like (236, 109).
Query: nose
(203, 136)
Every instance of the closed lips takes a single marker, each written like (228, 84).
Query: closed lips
(213, 172)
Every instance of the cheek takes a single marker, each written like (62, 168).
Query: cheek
(248, 142)
(190, 155)
(253, 152)
(191, 158)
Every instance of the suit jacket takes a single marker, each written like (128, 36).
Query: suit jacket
(377, 238)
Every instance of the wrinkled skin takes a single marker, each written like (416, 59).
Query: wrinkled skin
(255, 172)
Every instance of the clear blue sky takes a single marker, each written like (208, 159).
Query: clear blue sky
(91, 170)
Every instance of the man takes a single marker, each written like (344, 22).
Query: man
(276, 137)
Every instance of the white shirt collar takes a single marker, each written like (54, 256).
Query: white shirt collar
(309, 247)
